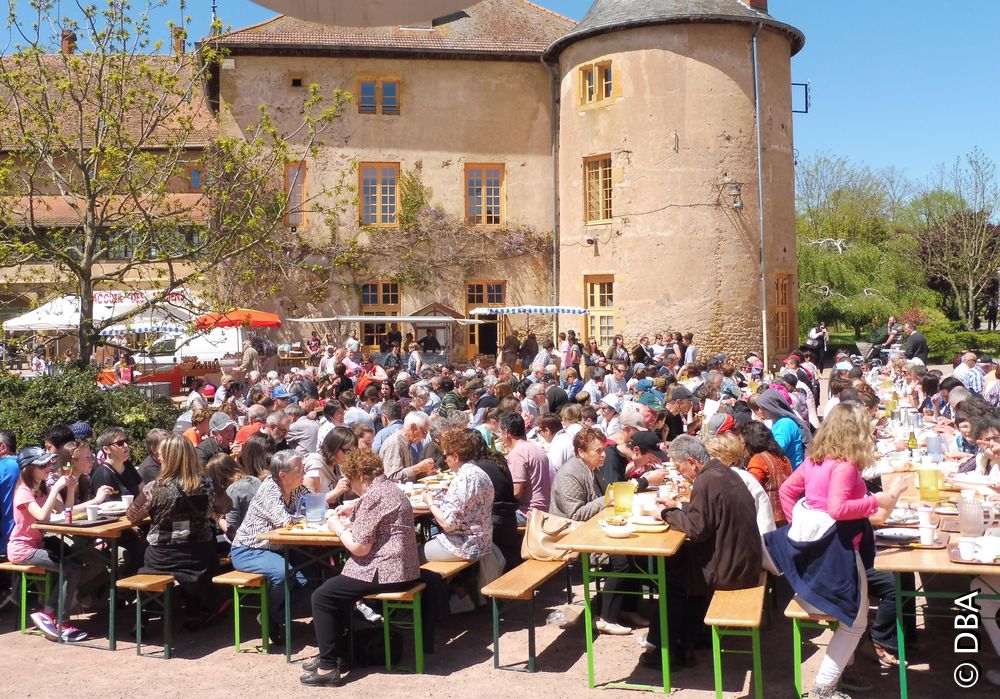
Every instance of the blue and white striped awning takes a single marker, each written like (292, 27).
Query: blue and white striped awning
(167, 327)
(520, 310)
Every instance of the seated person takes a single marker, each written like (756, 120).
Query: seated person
(724, 548)
(381, 540)
(274, 505)
(323, 468)
(464, 513)
(182, 503)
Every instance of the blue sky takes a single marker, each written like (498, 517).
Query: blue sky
(904, 83)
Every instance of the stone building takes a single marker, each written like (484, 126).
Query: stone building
(650, 131)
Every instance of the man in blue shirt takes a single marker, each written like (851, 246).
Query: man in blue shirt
(8, 482)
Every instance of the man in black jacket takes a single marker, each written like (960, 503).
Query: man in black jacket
(915, 345)
(723, 550)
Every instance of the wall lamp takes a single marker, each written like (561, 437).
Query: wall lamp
(735, 192)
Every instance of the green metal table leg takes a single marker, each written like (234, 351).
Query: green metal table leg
(758, 671)
(113, 597)
(418, 634)
(900, 636)
(717, 661)
(265, 617)
(496, 635)
(236, 616)
(61, 599)
(24, 602)
(288, 610)
(588, 619)
(661, 582)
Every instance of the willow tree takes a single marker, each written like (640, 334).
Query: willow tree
(114, 173)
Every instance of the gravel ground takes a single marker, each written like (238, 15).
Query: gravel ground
(207, 666)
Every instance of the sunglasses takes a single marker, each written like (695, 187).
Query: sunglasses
(121, 443)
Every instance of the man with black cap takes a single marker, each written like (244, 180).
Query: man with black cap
(678, 405)
(724, 550)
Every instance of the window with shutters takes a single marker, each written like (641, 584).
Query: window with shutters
(596, 83)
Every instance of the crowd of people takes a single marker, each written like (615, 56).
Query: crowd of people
(768, 477)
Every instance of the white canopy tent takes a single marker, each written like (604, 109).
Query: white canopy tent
(63, 314)
(388, 319)
(522, 310)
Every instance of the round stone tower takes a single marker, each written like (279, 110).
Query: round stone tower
(660, 223)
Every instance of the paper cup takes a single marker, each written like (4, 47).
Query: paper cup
(967, 548)
(127, 500)
(93, 512)
(927, 536)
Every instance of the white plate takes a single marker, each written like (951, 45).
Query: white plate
(646, 521)
(949, 510)
(972, 479)
(619, 532)
(112, 508)
(897, 534)
(900, 516)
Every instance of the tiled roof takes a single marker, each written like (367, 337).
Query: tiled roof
(611, 15)
(56, 211)
(189, 116)
(490, 27)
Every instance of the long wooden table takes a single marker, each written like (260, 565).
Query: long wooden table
(927, 562)
(589, 538)
(110, 532)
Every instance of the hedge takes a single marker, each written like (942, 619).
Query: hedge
(29, 406)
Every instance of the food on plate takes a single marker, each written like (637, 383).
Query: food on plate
(615, 521)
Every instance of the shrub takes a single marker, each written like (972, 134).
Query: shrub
(29, 406)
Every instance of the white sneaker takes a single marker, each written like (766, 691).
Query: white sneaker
(370, 615)
(612, 629)
(645, 644)
(46, 624)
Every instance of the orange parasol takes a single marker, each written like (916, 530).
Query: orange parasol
(238, 317)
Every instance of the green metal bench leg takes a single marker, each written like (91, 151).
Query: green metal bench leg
(797, 656)
(27, 580)
(496, 635)
(386, 612)
(717, 661)
(236, 616)
(531, 635)
(418, 634)
(167, 623)
(138, 623)
(758, 672)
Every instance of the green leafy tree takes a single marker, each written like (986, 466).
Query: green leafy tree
(97, 148)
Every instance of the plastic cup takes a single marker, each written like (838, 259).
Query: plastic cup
(127, 500)
(966, 548)
(927, 536)
(969, 494)
(928, 480)
(924, 516)
(93, 512)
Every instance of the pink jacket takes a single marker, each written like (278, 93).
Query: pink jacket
(835, 487)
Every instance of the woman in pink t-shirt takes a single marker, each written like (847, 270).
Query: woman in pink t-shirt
(825, 490)
(27, 545)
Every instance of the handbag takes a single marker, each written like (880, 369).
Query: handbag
(542, 533)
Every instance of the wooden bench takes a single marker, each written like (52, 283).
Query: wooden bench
(737, 613)
(252, 585)
(408, 600)
(447, 569)
(802, 619)
(520, 584)
(157, 589)
(29, 574)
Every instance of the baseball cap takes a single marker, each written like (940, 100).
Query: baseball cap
(219, 422)
(650, 401)
(280, 391)
(81, 430)
(843, 366)
(720, 423)
(681, 393)
(29, 456)
(630, 417)
(648, 442)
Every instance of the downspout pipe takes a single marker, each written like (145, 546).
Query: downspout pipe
(554, 105)
(760, 199)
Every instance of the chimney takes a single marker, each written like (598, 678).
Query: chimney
(179, 36)
(760, 5)
(68, 41)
